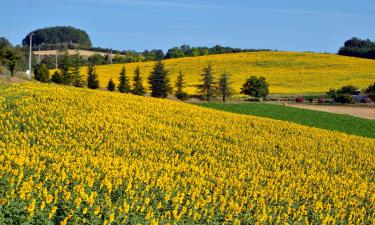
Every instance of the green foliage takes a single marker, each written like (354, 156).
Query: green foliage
(370, 91)
(358, 48)
(12, 57)
(224, 86)
(77, 79)
(92, 78)
(124, 85)
(111, 85)
(97, 59)
(159, 81)
(59, 37)
(343, 95)
(255, 87)
(207, 88)
(57, 78)
(66, 63)
(41, 73)
(138, 88)
(180, 84)
(324, 120)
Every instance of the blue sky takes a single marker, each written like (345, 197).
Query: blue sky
(296, 25)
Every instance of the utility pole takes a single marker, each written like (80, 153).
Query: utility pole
(111, 57)
(30, 54)
(39, 56)
(56, 59)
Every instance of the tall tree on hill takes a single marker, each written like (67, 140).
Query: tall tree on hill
(224, 86)
(77, 79)
(159, 81)
(124, 85)
(180, 84)
(92, 78)
(138, 88)
(65, 68)
(207, 88)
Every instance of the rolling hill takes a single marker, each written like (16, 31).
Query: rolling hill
(287, 72)
(73, 155)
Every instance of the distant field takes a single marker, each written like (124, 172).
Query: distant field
(329, 121)
(287, 72)
(84, 53)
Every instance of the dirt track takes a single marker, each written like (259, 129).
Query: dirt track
(363, 112)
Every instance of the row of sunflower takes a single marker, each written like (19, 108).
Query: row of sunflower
(77, 156)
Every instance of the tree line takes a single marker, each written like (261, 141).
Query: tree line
(158, 80)
(358, 48)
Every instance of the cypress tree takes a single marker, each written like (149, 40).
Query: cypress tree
(180, 84)
(111, 85)
(138, 88)
(159, 81)
(124, 85)
(207, 89)
(224, 86)
(92, 78)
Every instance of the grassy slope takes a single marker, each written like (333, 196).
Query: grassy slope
(330, 121)
(287, 72)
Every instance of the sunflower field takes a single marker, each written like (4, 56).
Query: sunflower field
(78, 156)
(287, 72)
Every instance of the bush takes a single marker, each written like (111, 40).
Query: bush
(321, 100)
(182, 96)
(57, 78)
(255, 87)
(300, 100)
(344, 98)
(41, 73)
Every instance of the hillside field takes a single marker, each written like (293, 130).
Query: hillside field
(287, 72)
(331, 121)
(76, 156)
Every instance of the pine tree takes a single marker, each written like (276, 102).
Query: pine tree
(224, 86)
(180, 84)
(41, 73)
(92, 78)
(159, 81)
(77, 79)
(138, 88)
(124, 85)
(207, 89)
(65, 68)
(111, 85)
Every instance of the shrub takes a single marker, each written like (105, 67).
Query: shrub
(41, 73)
(111, 85)
(300, 100)
(344, 98)
(182, 96)
(57, 78)
(255, 87)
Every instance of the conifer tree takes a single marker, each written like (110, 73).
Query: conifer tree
(124, 85)
(111, 85)
(207, 88)
(77, 79)
(224, 86)
(92, 78)
(159, 81)
(65, 68)
(138, 88)
(41, 73)
(180, 84)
